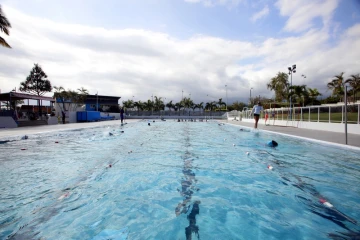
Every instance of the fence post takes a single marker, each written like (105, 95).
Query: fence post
(342, 114)
(318, 114)
(329, 114)
(301, 114)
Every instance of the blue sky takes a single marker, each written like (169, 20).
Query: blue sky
(161, 47)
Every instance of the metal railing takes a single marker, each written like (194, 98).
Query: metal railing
(322, 113)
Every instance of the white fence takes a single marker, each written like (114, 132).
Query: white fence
(322, 117)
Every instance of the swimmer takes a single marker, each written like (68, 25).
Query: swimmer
(24, 137)
(266, 117)
(148, 124)
(272, 144)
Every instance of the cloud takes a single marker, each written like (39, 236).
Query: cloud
(140, 63)
(212, 3)
(302, 13)
(262, 13)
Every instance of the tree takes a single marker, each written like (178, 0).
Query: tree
(200, 105)
(170, 105)
(128, 104)
(73, 98)
(220, 103)
(210, 106)
(148, 105)
(313, 93)
(4, 27)
(337, 85)
(354, 82)
(299, 93)
(139, 106)
(187, 103)
(280, 84)
(237, 106)
(37, 82)
(178, 106)
(158, 104)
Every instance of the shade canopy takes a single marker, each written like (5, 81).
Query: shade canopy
(14, 96)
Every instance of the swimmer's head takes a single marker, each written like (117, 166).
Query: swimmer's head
(272, 143)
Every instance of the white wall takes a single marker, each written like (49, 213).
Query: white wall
(7, 122)
(53, 120)
(331, 127)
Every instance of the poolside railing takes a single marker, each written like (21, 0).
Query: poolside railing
(334, 113)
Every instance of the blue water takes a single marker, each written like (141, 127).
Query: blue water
(176, 180)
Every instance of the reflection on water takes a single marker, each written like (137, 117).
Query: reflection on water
(188, 187)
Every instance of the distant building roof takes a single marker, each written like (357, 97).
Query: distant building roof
(110, 100)
(20, 96)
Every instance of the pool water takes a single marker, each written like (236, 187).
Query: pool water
(176, 180)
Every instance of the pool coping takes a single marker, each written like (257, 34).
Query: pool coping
(300, 137)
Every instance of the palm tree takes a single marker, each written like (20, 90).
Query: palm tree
(313, 93)
(61, 96)
(200, 105)
(4, 27)
(354, 82)
(280, 84)
(158, 104)
(337, 85)
(178, 106)
(148, 105)
(221, 103)
(298, 93)
(187, 103)
(170, 105)
(128, 104)
(139, 106)
(83, 90)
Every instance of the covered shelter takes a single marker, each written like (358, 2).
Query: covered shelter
(29, 112)
(99, 102)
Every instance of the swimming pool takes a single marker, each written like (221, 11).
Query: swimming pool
(176, 180)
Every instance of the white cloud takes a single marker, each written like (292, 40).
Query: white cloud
(136, 62)
(302, 13)
(262, 13)
(212, 3)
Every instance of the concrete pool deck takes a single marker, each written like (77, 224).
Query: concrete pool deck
(325, 136)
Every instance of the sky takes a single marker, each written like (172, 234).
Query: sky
(202, 49)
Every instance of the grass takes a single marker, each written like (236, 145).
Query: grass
(323, 117)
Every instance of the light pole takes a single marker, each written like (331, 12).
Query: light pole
(152, 104)
(302, 75)
(226, 96)
(291, 71)
(250, 96)
(97, 101)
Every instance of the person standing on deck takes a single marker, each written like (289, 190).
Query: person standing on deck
(256, 111)
(122, 114)
(63, 116)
